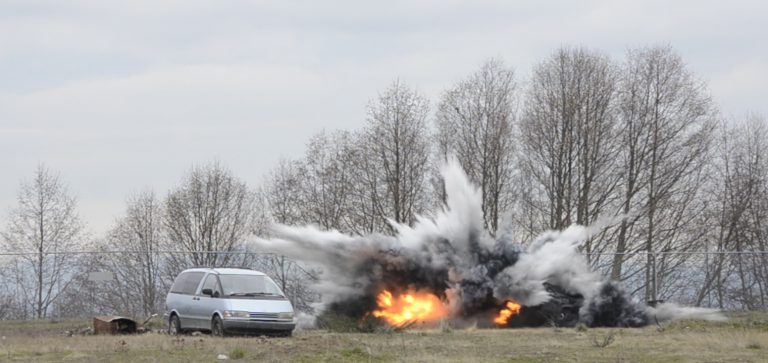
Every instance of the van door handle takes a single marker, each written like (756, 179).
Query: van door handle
(195, 298)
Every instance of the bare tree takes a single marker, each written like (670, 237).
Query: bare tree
(11, 296)
(285, 200)
(211, 211)
(328, 180)
(739, 207)
(475, 120)
(43, 225)
(6, 302)
(666, 118)
(568, 135)
(396, 135)
(366, 199)
(283, 192)
(84, 297)
(141, 233)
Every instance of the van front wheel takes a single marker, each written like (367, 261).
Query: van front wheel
(217, 327)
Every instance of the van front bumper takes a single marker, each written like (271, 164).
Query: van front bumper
(256, 326)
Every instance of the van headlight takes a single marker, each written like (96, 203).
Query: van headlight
(235, 314)
(288, 315)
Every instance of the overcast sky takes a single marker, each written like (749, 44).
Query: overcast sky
(123, 97)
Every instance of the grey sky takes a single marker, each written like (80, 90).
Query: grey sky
(122, 97)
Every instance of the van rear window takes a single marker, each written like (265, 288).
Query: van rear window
(187, 283)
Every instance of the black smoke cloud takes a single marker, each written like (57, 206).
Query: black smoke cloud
(452, 256)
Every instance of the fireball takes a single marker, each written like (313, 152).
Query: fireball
(512, 308)
(409, 307)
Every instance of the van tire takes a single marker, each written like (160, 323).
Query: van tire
(174, 325)
(217, 327)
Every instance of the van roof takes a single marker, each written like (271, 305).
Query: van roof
(227, 271)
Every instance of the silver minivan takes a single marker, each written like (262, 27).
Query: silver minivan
(227, 300)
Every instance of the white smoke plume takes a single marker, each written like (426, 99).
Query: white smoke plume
(453, 256)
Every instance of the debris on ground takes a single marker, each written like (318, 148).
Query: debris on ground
(78, 332)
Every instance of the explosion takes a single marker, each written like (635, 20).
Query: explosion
(409, 307)
(511, 308)
(451, 260)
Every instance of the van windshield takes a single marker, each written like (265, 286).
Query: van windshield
(249, 285)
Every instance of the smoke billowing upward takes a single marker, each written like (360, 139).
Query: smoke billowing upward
(453, 257)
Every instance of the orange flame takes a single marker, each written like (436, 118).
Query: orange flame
(411, 306)
(512, 309)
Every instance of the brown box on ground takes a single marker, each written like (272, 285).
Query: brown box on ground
(113, 325)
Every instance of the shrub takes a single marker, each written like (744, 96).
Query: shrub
(237, 353)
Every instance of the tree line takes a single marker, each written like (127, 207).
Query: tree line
(635, 145)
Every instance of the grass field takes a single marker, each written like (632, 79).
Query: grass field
(744, 338)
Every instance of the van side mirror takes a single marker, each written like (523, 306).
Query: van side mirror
(208, 292)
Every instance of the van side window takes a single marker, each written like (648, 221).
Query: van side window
(178, 283)
(212, 282)
(187, 283)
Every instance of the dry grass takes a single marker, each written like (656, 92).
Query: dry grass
(742, 339)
